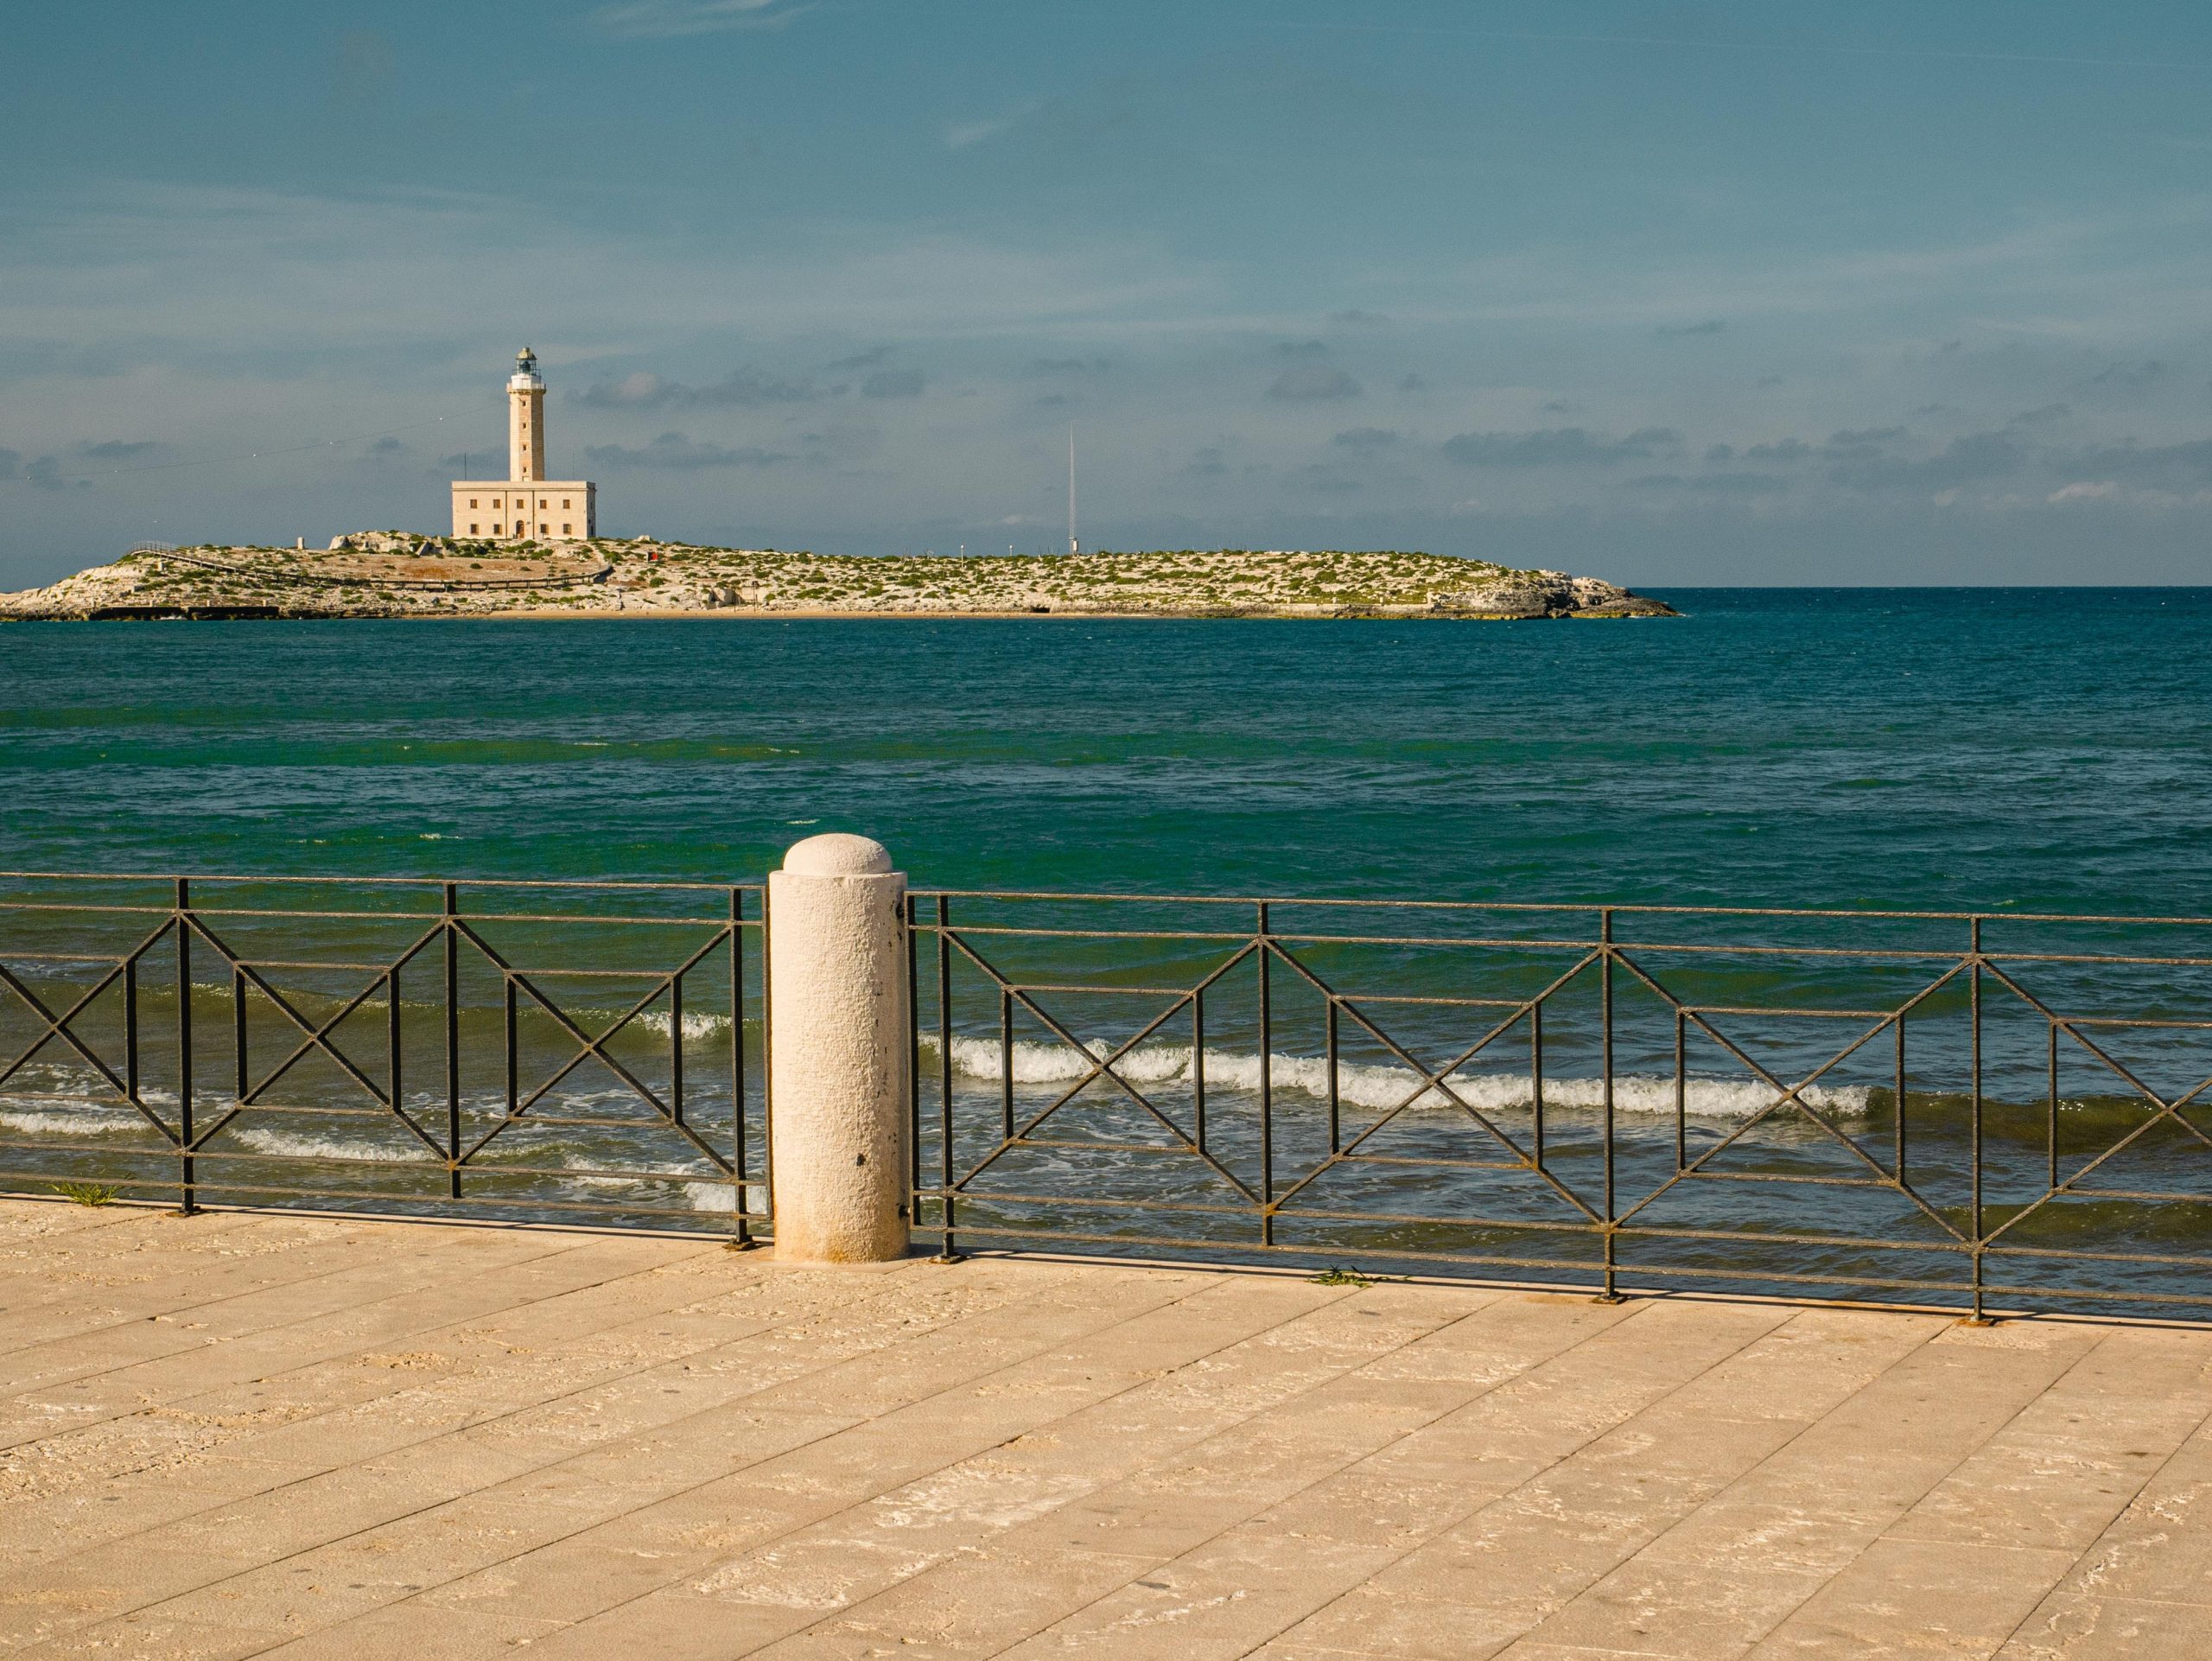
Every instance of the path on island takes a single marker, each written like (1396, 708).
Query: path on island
(236, 1434)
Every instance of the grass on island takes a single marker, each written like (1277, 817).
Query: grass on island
(392, 573)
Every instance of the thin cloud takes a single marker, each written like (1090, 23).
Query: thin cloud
(1313, 380)
(678, 453)
(966, 135)
(740, 388)
(2191, 462)
(2129, 377)
(1557, 447)
(118, 449)
(661, 20)
(893, 382)
(1972, 458)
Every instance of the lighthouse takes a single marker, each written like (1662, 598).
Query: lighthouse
(525, 505)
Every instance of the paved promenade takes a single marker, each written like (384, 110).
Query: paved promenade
(236, 1435)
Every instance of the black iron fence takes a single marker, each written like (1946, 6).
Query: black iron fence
(1941, 1109)
(541, 1050)
(1986, 1111)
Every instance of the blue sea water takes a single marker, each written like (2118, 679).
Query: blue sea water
(2007, 751)
(1941, 748)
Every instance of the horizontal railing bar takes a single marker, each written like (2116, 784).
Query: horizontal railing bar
(578, 883)
(1128, 992)
(586, 884)
(1557, 905)
(1340, 996)
(2128, 1021)
(2067, 1191)
(474, 1167)
(1564, 1267)
(1180, 1150)
(231, 911)
(1857, 954)
(969, 1198)
(2085, 1254)
(1778, 1176)
(1439, 1160)
(1814, 1015)
(1249, 1247)
(357, 1196)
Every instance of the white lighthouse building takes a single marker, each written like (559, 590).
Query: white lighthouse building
(525, 505)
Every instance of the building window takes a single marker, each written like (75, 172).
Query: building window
(565, 502)
(541, 530)
(567, 529)
(472, 529)
(472, 502)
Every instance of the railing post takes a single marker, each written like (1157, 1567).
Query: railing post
(1267, 1084)
(1973, 996)
(187, 1190)
(453, 1041)
(1612, 1294)
(741, 1192)
(948, 1146)
(840, 1048)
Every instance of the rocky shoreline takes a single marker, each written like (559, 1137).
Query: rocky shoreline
(393, 573)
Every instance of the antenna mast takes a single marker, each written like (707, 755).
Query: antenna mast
(1073, 546)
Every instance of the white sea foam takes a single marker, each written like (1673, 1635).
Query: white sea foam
(716, 1196)
(1366, 1085)
(47, 1118)
(720, 1197)
(699, 1025)
(290, 1143)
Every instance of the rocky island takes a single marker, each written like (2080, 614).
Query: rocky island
(395, 574)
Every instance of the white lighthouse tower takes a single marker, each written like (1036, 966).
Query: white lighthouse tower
(525, 420)
(525, 505)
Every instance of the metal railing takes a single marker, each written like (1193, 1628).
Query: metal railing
(1935, 1108)
(1987, 1112)
(543, 1050)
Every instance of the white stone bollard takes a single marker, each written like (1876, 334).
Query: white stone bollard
(840, 1054)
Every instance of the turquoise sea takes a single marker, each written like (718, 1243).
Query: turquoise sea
(1946, 748)
(2002, 751)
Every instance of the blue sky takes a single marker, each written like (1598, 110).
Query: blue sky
(1673, 293)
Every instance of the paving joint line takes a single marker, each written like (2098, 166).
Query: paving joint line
(490, 1417)
(1950, 1471)
(276, 1327)
(2090, 1550)
(555, 1465)
(1643, 1306)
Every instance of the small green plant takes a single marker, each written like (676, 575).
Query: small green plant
(1334, 1276)
(87, 1193)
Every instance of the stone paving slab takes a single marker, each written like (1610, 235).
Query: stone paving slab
(239, 1435)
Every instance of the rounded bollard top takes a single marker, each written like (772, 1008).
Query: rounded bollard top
(838, 853)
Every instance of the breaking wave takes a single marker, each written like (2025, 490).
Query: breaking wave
(1368, 1086)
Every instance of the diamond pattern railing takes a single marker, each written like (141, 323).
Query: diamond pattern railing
(489, 1054)
(1983, 1111)
(1928, 1108)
